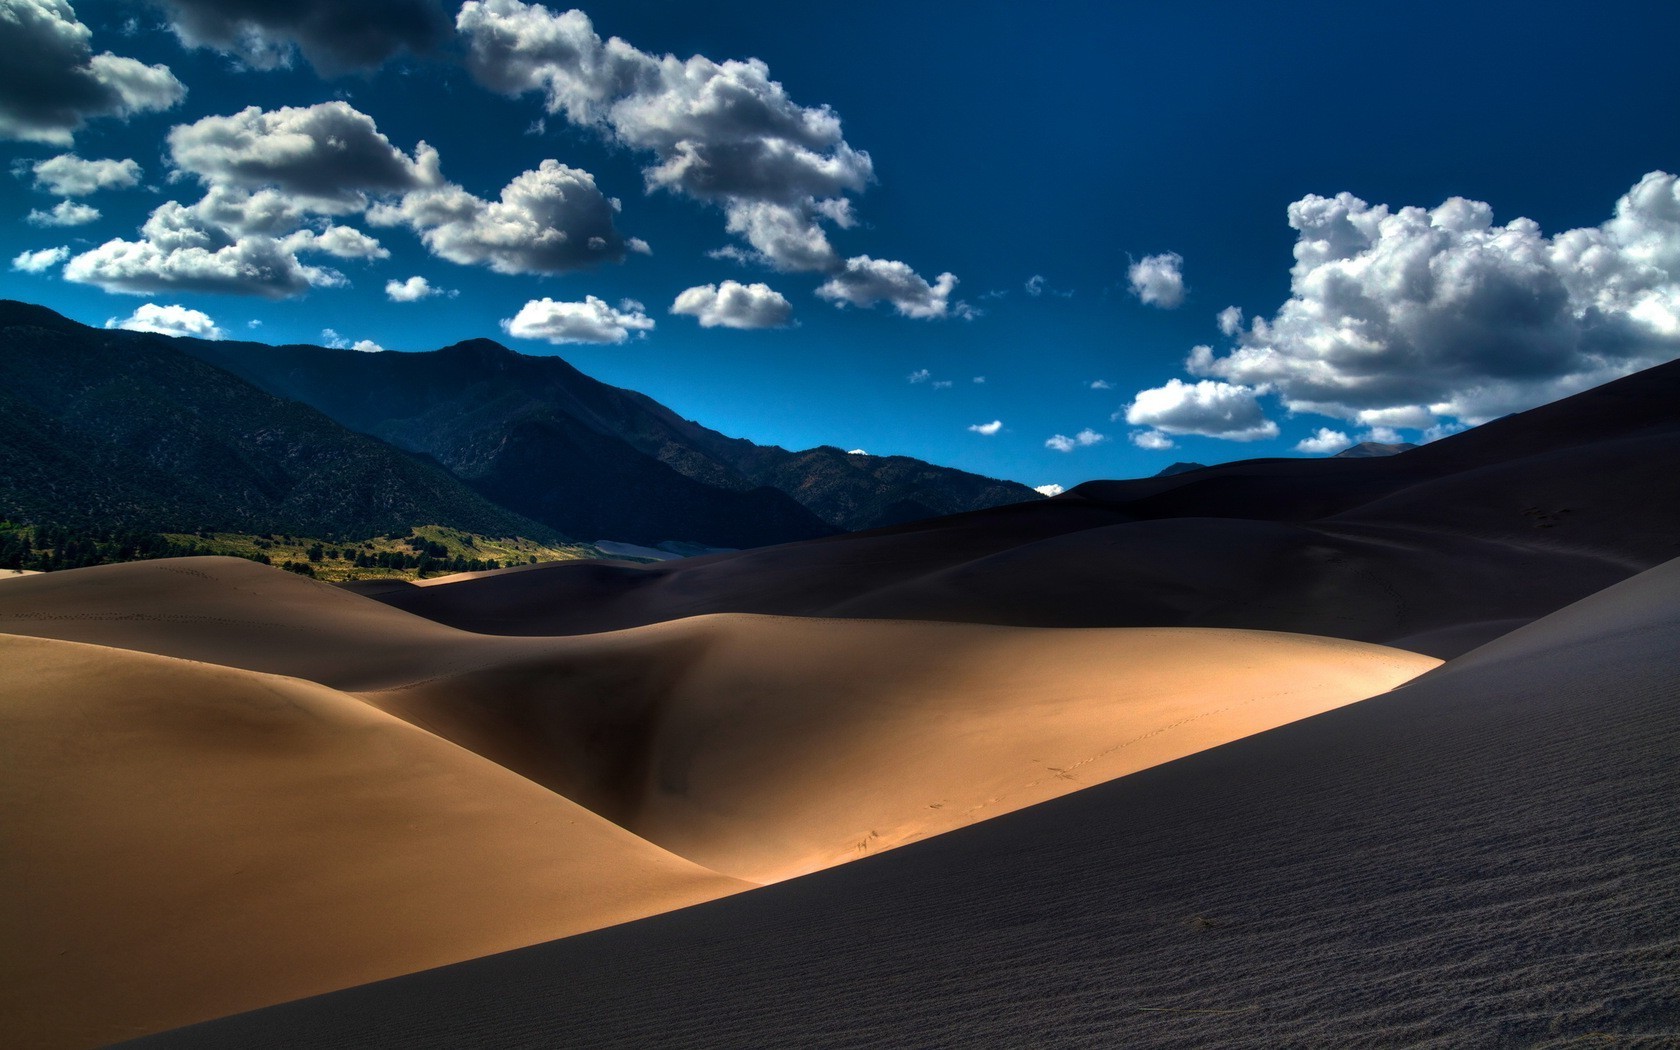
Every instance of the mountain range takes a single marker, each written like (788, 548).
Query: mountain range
(149, 431)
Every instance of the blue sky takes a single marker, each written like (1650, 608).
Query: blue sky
(1101, 181)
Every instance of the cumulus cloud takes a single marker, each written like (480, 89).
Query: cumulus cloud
(1414, 317)
(68, 175)
(1231, 320)
(229, 242)
(865, 282)
(856, 452)
(1324, 442)
(41, 261)
(549, 220)
(64, 213)
(51, 82)
(734, 305)
(1084, 439)
(169, 320)
(1051, 489)
(335, 37)
(412, 290)
(719, 132)
(591, 321)
(1208, 408)
(329, 155)
(987, 429)
(1152, 440)
(1158, 279)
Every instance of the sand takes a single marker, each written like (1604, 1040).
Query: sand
(331, 818)
(1485, 856)
(184, 840)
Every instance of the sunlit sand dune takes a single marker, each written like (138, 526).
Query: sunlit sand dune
(183, 841)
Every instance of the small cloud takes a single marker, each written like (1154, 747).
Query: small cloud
(1100, 384)
(1153, 440)
(412, 290)
(41, 261)
(1051, 489)
(253, 323)
(591, 321)
(1035, 285)
(333, 339)
(64, 213)
(367, 346)
(964, 311)
(942, 384)
(856, 452)
(1208, 408)
(734, 305)
(1084, 439)
(168, 320)
(978, 379)
(1158, 280)
(1231, 320)
(920, 375)
(987, 429)
(68, 175)
(1324, 442)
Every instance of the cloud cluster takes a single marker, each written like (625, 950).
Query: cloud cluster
(734, 305)
(1084, 439)
(720, 132)
(68, 175)
(1208, 408)
(336, 37)
(552, 219)
(591, 321)
(51, 82)
(1158, 280)
(1428, 318)
(169, 320)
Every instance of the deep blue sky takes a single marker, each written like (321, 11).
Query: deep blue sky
(1007, 141)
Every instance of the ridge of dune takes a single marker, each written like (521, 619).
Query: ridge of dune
(185, 841)
(1485, 856)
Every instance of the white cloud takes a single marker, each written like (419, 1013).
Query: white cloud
(591, 321)
(1051, 489)
(1084, 439)
(1325, 442)
(367, 346)
(335, 37)
(865, 281)
(856, 452)
(978, 379)
(1158, 279)
(1101, 384)
(1231, 320)
(1153, 440)
(1208, 408)
(329, 155)
(1414, 317)
(1035, 285)
(549, 220)
(41, 261)
(943, 384)
(734, 305)
(169, 320)
(68, 175)
(987, 429)
(64, 213)
(412, 290)
(966, 311)
(920, 375)
(53, 82)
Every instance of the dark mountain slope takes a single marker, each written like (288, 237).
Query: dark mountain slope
(463, 402)
(122, 430)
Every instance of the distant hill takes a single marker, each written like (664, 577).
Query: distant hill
(1179, 468)
(122, 430)
(538, 436)
(1370, 449)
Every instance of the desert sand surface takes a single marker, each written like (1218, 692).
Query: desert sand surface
(184, 840)
(1485, 856)
(413, 794)
(1438, 549)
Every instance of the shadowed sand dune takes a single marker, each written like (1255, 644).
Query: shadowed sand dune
(1438, 549)
(1485, 856)
(760, 747)
(184, 840)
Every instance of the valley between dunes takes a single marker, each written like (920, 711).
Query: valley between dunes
(227, 786)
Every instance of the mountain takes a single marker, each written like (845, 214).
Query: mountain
(122, 430)
(1436, 550)
(1179, 468)
(540, 437)
(1368, 449)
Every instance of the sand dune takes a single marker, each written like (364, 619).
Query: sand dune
(1485, 856)
(184, 841)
